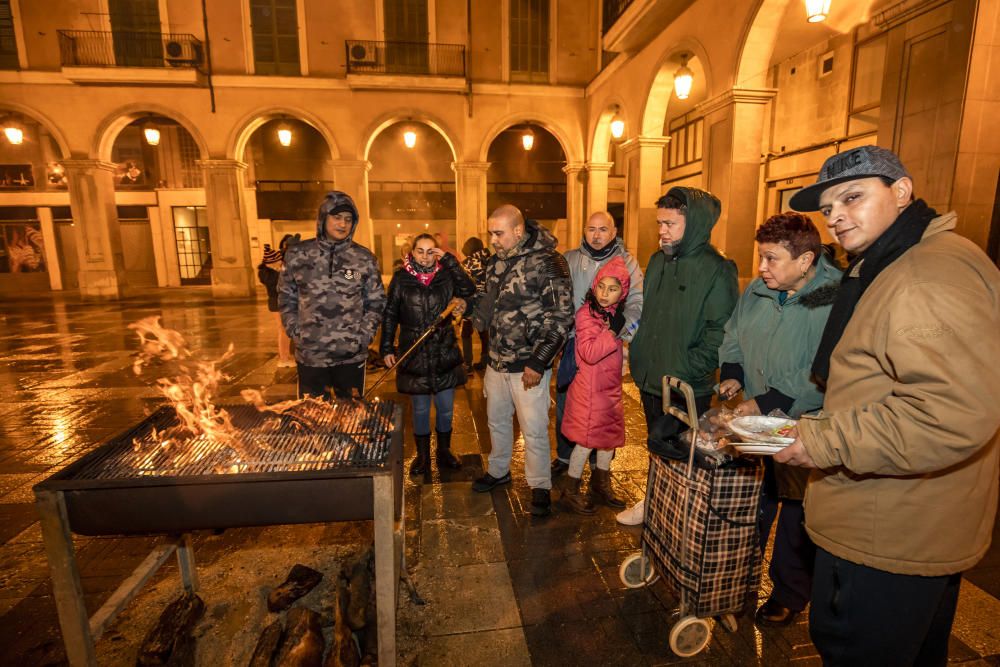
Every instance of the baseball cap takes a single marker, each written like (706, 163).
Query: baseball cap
(860, 162)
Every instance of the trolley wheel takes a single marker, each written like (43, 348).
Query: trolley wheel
(637, 571)
(728, 621)
(690, 636)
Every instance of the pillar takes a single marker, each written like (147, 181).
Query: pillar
(734, 127)
(470, 200)
(597, 186)
(232, 267)
(351, 177)
(643, 178)
(575, 198)
(98, 236)
(51, 247)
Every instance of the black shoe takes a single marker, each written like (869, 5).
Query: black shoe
(422, 463)
(541, 502)
(773, 613)
(481, 366)
(558, 468)
(445, 458)
(488, 482)
(468, 369)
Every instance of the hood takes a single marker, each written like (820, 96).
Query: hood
(615, 268)
(332, 201)
(703, 209)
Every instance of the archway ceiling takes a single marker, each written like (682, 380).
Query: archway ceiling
(796, 34)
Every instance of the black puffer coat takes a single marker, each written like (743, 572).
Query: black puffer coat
(437, 364)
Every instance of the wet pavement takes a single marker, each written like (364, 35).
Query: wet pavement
(498, 584)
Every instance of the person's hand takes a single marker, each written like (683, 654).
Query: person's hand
(617, 323)
(459, 306)
(436, 253)
(747, 408)
(390, 360)
(729, 389)
(795, 454)
(530, 378)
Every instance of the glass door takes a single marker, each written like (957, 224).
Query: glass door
(194, 249)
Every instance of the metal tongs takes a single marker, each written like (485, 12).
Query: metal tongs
(445, 314)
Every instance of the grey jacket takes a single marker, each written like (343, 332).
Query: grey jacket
(583, 268)
(330, 295)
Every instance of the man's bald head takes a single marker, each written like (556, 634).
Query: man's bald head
(506, 227)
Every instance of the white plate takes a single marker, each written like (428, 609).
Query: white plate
(758, 448)
(761, 429)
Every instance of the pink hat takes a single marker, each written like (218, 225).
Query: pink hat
(614, 269)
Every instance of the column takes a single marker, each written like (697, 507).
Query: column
(643, 178)
(597, 186)
(232, 267)
(98, 237)
(51, 247)
(351, 177)
(575, 193)
(734, 127)
(470, 200)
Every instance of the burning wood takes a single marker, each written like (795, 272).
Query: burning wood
(300, 580)
(172, 633)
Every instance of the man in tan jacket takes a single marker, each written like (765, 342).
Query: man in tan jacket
(904, 495)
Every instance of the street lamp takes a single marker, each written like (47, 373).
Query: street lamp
(410, 138)
(14, 134)
(683, 79)
(285, 136)
(617, 128)
(152, 135)
(817, 10)
(528, 140)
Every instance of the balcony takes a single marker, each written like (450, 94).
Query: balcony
(419, 65)
(613, 9)
(98, 56)
(628, 25)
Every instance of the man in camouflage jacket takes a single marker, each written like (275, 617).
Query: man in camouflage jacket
(331, 300)
(527, 307)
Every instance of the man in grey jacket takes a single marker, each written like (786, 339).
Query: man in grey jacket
(331, 299)
(599, 245)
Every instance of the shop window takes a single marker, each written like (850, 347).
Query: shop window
(21, 247)
(685, 141)
(529, 40)
(275, 28)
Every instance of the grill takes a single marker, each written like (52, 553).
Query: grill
(310, 464)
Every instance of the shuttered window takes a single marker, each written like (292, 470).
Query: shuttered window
(8, 43)
(529, 40)
(275, 28)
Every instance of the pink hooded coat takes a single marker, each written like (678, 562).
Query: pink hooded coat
(595, 415)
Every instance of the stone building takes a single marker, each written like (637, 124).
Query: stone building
(163, 142)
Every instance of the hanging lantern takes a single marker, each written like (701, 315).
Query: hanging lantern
(285, 136)
(152, 135)
(410, 138)
(683, 79)
(817, 10)
(617, 128)
(528, 140)
(14, 134)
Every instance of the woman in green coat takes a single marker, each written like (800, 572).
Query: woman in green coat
(767, 353)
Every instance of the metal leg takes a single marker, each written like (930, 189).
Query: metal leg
(185, 561)
(386, 569)
(66, 586)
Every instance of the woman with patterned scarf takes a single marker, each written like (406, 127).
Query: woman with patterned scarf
(429, 280)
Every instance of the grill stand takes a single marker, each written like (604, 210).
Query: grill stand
(80, 632)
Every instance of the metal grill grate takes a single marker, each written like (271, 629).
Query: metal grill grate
(310, 437)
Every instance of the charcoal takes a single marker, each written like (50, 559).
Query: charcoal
(184, 651)
(172, 629)
(360, 578)
(302, 645)
(343, 650)
(300, 580)
(267, 645)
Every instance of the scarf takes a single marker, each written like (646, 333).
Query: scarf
(598, 255)
(422, 273)
(901, 235)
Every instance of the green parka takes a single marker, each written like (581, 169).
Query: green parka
(687, 299)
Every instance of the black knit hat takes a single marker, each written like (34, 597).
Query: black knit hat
(271, 255)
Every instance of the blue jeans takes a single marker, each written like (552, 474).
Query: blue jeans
(444, 405)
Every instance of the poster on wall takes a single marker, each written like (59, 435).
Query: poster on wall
(16, 176)
(21, 249)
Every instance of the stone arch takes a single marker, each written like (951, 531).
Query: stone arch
(402, 116)
(51, 127)
(573, 150)
(662, 83)
(757, 44)
(114, 123)
(237, 143)
(601, 134)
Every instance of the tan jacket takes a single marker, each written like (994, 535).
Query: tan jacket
(908, 449)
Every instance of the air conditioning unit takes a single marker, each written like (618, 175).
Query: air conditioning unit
(179, 54)
(361, 55)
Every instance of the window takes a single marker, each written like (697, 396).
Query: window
(194, 253)
(866, 86)
(275, 28)
(191, 173)
(8, 44)
(685, 141)
(529, 40)
(406, 35)
(135, 33)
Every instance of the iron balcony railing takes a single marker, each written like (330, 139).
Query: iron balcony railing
(121, 48)
(613, 9)
(422, 58)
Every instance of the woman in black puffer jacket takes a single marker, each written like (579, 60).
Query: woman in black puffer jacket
(429, 280)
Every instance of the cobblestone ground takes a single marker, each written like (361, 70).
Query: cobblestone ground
(498, 585)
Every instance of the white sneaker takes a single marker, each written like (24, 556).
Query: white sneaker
(633, 515)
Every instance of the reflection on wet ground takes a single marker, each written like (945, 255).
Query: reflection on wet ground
(498, 583)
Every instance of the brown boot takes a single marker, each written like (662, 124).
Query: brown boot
(600, 489)
(573, 499)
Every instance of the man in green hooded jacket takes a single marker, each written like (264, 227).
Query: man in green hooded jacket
(689, 292)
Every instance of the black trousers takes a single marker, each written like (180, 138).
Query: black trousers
(792, 561)
(863, 616)
(342, 379)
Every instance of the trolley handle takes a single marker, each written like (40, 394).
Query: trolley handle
(690, 416)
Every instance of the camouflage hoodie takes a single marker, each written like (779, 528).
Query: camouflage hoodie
(330, 294)
(527, 304)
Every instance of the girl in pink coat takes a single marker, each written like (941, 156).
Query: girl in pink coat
(595, 415)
